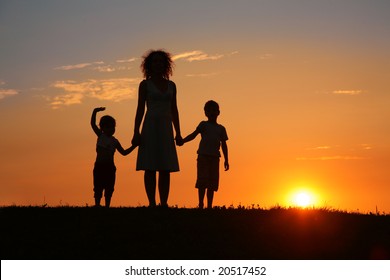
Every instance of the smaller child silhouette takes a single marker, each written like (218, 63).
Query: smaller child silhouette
(104, 169)
(213, 136)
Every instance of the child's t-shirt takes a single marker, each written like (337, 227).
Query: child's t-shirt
(105, 148)
(212, 135)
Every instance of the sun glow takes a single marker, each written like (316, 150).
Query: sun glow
(303, 199)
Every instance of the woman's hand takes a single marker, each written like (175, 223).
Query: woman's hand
(179, 140)
(136, 141)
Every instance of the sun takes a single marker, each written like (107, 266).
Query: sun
(303, 199)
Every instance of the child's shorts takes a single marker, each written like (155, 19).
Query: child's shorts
(208, 172)
(103, 179)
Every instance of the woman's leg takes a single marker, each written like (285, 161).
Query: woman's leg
(150, 186)
(163, 187)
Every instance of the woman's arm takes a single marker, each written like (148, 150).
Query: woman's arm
(139, 114)
(175, 114)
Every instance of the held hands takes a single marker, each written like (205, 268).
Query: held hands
(179, 140)
(136, 141)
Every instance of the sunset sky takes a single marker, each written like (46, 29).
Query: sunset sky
(303, 88)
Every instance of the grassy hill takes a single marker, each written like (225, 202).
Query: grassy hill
(143, 233)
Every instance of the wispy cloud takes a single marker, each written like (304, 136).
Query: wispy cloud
(202, 75)
(366, 146)
(198, 56)
(266, 56)
(66, 100)
(105, 69)
(319, 148)
(128, 60)
(113, 89)
(338, 157)
(109, 68)
(78, 66)
(7, 92)
(107, 89)
(99, 66)
(186, 55)
(326, 152)
(347, 92)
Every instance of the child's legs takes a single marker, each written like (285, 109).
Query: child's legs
(163, 186)
(201, 193)
(105, 181)
(150, 186)
(97, 201)
(210, 196)
(98, 186)
(98, 193)
(109, 190)
(207, 178)
(108, 201)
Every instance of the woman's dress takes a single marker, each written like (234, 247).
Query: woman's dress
(157, 150)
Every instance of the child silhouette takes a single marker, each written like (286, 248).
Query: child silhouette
(213, 136)
(104, 169)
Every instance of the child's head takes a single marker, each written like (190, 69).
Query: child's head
(107, 125)
(157, 62)
(211, 110)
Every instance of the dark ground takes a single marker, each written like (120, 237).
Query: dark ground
(141, 233)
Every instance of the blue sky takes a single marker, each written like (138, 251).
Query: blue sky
(47, 34)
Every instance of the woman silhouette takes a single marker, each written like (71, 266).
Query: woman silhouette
(157, 150)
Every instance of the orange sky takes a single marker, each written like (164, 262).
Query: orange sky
(303, 91)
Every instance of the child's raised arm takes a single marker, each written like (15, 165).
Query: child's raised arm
(93, 120)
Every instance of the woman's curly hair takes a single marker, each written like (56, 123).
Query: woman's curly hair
(147, 62)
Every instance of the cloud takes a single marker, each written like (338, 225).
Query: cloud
(347, 92)
(114, 89)
(319, 148)
(331, 158)
(126, 60)
(266, 56)
(66, 100)
(337, 149)
(78, 66)
(197, 56)
(109, 68)
(97, 66)
(107, 89)
(186, 55)
(7, 92)
(105, 69)
(202, 75)
(366, 146)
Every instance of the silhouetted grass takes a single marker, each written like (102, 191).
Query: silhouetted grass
(222, 233)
